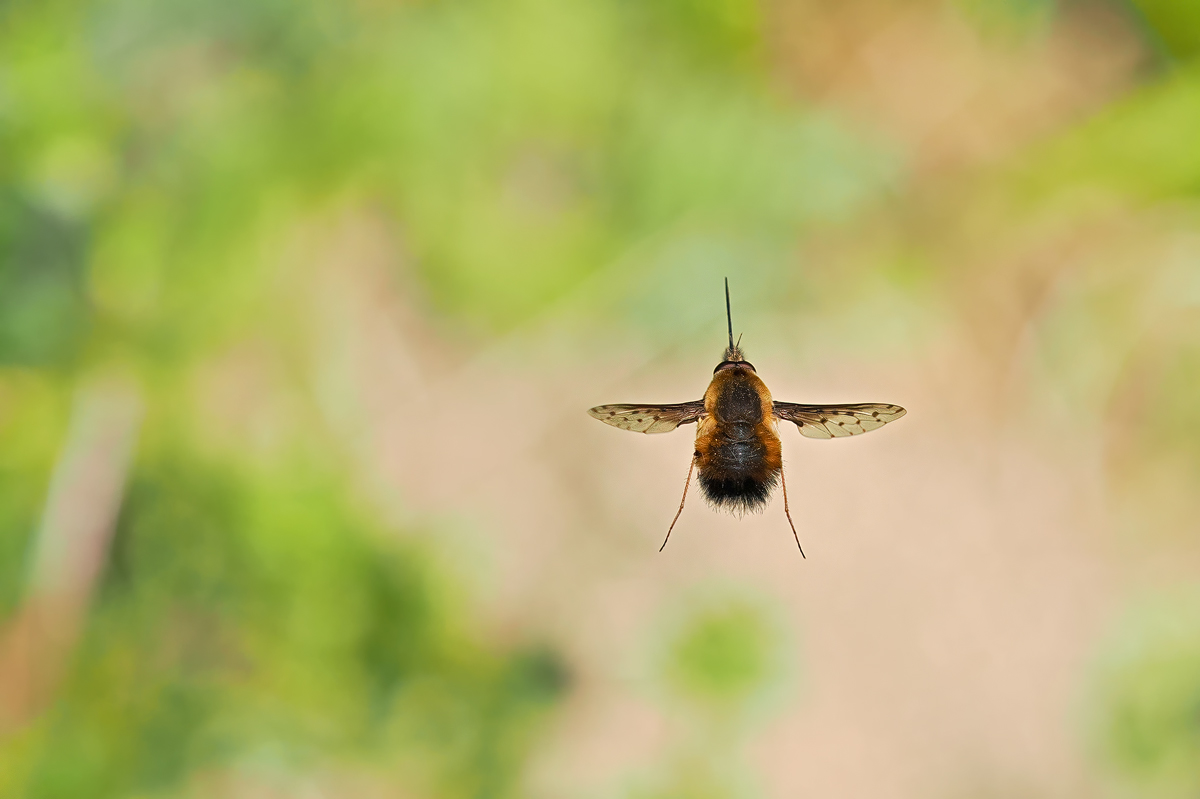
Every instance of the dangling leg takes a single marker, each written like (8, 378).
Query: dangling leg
(786, 512)
(685, 488)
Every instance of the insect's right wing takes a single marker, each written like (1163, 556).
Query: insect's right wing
(836, 421)
(649, 418)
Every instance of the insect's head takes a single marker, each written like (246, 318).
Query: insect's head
(733, 353)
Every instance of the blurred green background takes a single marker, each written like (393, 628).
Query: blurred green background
(301, 305)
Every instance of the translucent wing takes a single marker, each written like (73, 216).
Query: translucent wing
(649, 418)
(836, 421)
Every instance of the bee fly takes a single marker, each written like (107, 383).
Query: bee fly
(737, 446)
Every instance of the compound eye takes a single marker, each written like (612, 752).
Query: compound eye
(734, 365)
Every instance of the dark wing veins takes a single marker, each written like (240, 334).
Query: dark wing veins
(649, 418)
(837, 421)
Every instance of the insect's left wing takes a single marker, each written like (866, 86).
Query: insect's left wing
(837, 421)
(649, 418)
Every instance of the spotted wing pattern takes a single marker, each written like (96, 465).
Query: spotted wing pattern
(837, 421)
(649, 418)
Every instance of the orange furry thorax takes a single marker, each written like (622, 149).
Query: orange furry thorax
(737, 449)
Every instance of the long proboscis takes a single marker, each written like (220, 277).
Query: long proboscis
(729, 316)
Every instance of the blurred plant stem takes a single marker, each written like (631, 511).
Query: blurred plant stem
(70, 547)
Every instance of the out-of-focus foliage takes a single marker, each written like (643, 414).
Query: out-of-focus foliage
(723, 655)
(1137, 148)
(1177, 25)
(32, 409)
(246, 616)
(43, 307)
(521, 145)
(723, 662)
(1008, 19)
(155, 162)
(257, 621)
(1146, 696)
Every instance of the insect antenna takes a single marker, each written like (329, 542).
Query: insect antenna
(687, 483)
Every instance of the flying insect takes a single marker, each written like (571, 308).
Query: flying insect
(738, 453)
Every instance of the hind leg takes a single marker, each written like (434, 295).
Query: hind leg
(687, 483)
(786, 512)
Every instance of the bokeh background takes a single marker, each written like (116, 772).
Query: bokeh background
(302, 304)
